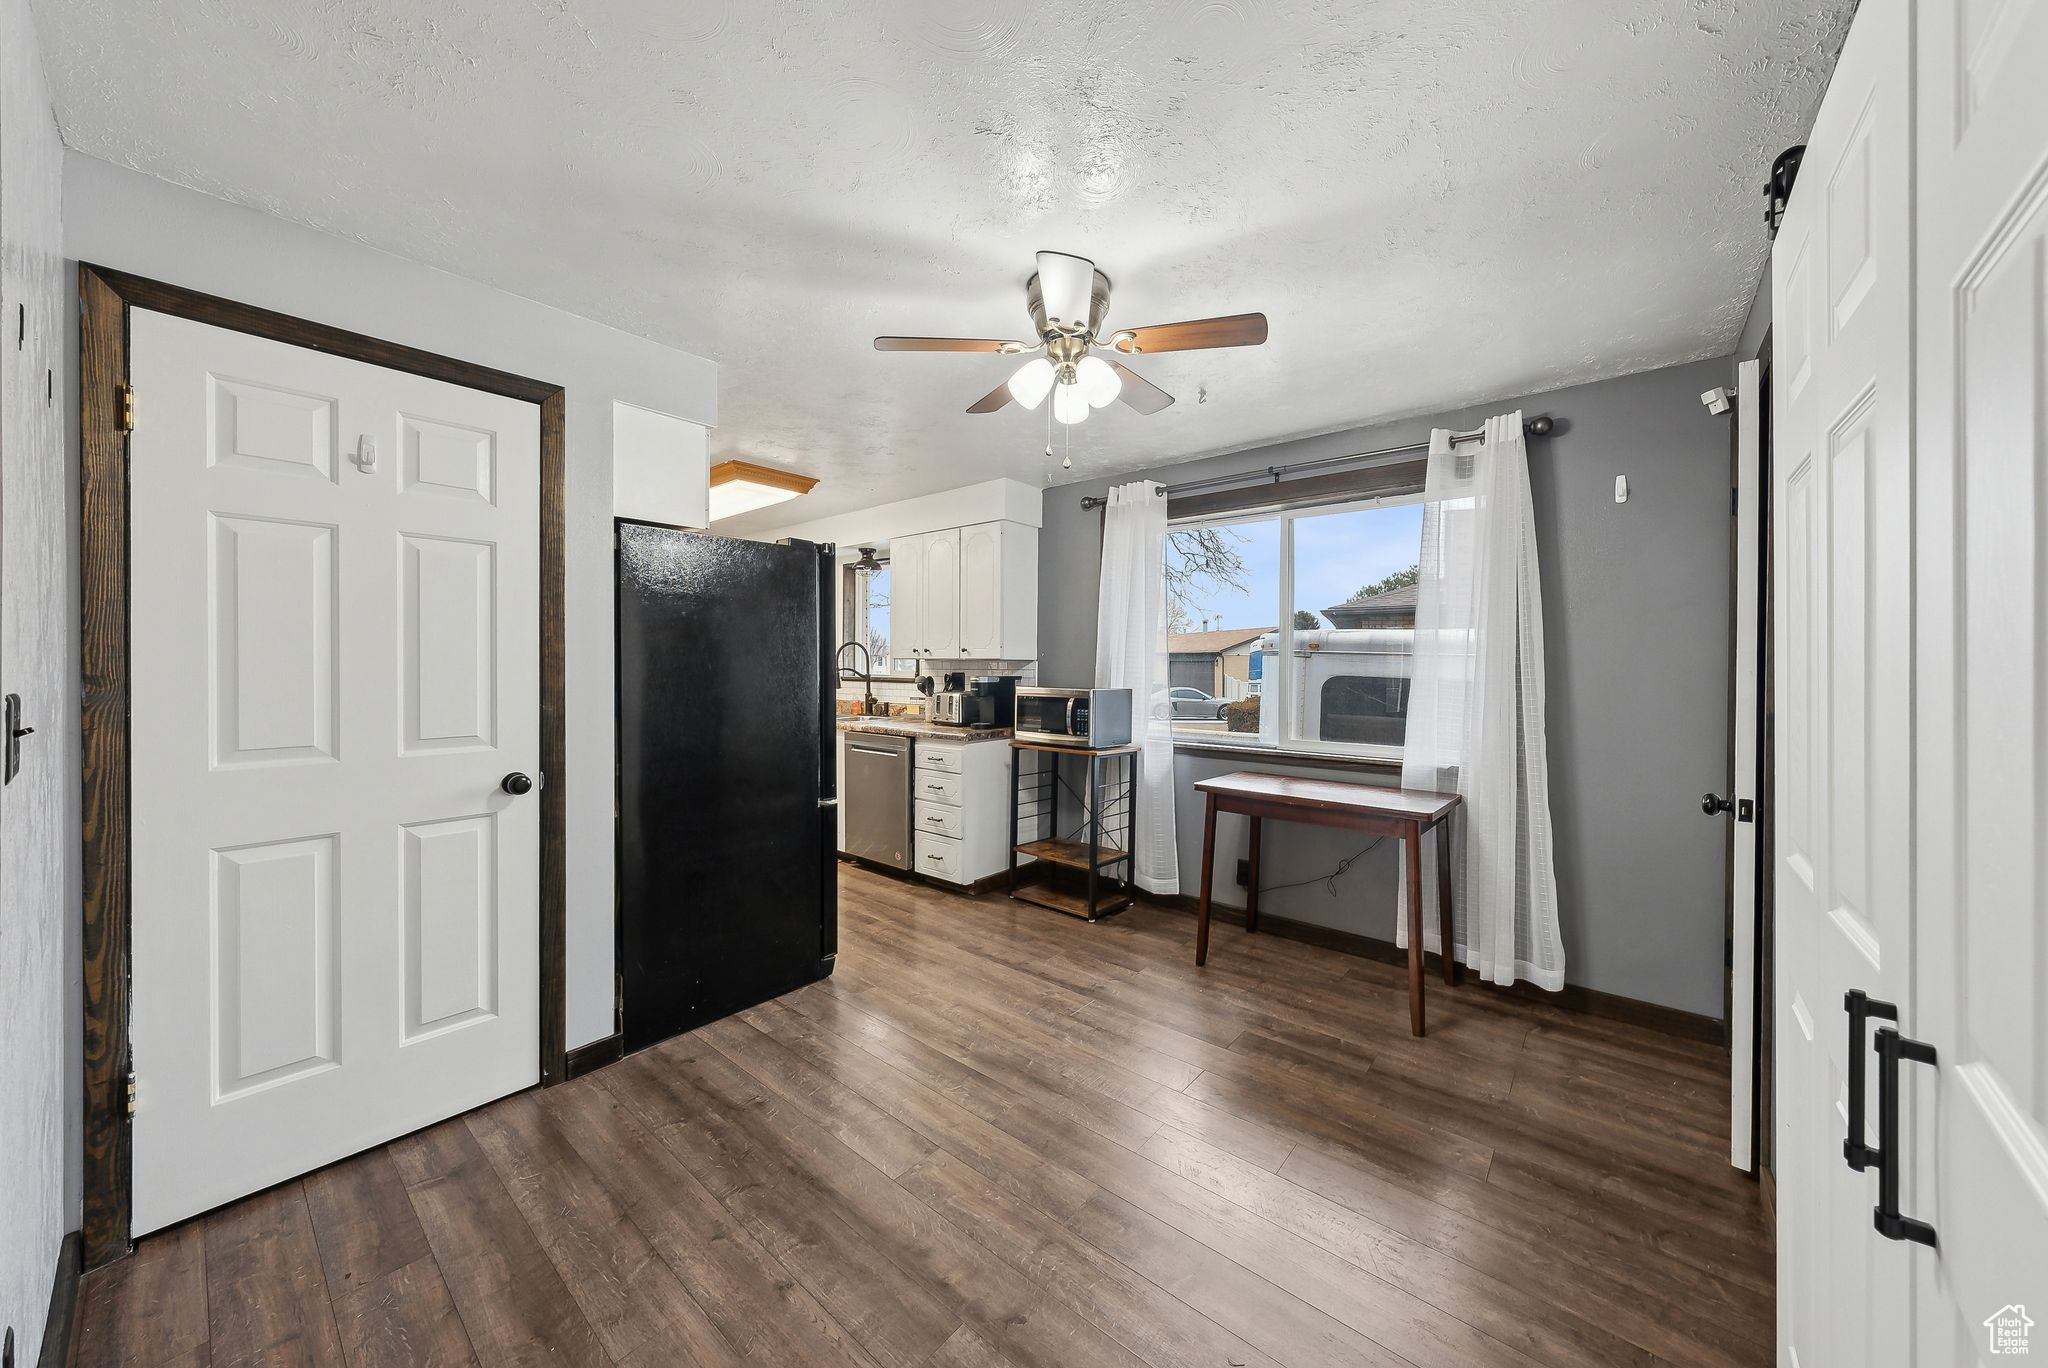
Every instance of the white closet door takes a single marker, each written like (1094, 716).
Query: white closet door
(1842, 477)
(334, 663)
(1977, 1153)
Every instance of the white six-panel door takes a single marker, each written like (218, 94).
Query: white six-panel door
(1842, 515)
(334, 662)
(1980, 1148)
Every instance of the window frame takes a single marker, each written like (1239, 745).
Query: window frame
(853, 615)
(1285, 513)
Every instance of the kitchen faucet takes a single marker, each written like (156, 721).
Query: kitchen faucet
(870, 706)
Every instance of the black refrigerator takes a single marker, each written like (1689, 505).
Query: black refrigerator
(727, 819)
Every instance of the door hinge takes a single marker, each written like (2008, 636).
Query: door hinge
(130, 1093)
(127, 408)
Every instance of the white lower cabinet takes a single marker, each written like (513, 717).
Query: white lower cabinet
(938, 857)
(962, 813)
(938, 819)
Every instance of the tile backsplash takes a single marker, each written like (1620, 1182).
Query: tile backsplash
(902, 695)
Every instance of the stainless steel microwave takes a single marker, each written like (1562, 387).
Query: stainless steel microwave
(1091, 718)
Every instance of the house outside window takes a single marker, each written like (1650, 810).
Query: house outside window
(1294, 628)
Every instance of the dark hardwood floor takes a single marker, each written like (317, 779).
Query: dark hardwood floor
(998, 1136)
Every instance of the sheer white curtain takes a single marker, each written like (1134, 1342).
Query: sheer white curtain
(1475, 706)
(1130, 653)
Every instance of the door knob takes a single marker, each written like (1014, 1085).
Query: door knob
(1713, 804)
(516, 784)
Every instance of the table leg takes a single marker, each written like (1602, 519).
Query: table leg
(1413, 841)
(1251, 895)
(1443, 898)
(1208, 868)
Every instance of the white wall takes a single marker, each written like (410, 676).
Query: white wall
(120, 218)
(661, 469)
(38, 658)
(989, 501)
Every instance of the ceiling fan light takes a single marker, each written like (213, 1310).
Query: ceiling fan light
(1069, 405)
(1066, 284)
(1029, 385)
(1098, 381)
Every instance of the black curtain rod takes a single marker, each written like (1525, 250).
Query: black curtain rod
(1539, 426)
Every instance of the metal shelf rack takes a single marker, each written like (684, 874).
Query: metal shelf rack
(1102, 852)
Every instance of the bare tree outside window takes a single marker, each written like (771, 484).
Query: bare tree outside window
(876, 586)
(1200, 561)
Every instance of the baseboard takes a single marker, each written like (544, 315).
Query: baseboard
(63, 1305)
(1590, 1001)
(598, 1053)
(999, 879)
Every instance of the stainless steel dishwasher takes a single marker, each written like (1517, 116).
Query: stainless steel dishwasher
(876, 795)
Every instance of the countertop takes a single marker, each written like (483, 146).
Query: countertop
(918, 726)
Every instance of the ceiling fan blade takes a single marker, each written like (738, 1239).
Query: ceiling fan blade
(946, 344)
(993, 400)
(1066, 284)
(1237, 330)
(1140, 393)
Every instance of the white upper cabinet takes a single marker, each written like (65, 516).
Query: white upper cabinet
(941, 611)
(660, 469)
(999, 591)
(906, 597)
(967, 593)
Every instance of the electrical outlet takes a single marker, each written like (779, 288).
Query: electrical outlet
(1244, 873)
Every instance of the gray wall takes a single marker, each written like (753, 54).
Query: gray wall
(1635, 601)
(38, 659)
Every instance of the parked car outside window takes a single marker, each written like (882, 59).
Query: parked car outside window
(1194, 705)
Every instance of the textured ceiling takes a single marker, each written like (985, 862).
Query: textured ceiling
(1435, 203)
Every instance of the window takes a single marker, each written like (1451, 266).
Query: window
(865, 613)
(1295, 628)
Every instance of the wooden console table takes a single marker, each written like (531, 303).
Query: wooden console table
(1405, 813)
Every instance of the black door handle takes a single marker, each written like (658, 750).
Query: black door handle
(1860, 1006)
(1891, 1048)
(516, 784)
(1713, 804)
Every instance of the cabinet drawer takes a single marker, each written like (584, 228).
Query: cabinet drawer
(933, 786)
(939, 857)
(937, 755)
(937, 817)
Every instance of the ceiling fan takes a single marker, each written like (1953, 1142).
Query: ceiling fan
(1068, 299)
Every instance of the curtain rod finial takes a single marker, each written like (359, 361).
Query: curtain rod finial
(1539, 426)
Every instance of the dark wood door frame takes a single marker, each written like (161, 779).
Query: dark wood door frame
(105, 297)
